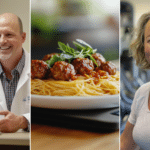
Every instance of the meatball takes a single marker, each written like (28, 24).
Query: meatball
(62, 70)
(99, 59)
(49, 56)
(101, 72)
(109, 67)
(39, 69)
(83, 66)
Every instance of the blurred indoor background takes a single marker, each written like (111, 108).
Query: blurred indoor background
(94, 21)
(132, 77)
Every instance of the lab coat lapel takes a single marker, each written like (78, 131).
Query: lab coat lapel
(2, 97)
(25, 73)
(20, 93)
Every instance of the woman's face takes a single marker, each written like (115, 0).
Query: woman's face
(147, 41)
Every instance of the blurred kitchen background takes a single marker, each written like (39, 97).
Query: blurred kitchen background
(132, 77)
(94, 21)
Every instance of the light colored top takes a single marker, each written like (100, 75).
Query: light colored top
(140, 117)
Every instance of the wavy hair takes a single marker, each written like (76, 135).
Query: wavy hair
(137, 45)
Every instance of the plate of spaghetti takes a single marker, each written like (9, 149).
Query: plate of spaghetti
(74, 79)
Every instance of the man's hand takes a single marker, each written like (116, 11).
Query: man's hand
(12, 122)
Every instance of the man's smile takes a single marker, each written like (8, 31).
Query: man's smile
(5, 47)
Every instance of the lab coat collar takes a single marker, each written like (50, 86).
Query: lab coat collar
(25, 72)
(1, 70)
(2, 97)
(21, 64)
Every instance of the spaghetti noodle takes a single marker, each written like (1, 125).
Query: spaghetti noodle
(83, 86)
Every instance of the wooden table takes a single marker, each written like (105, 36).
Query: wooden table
(17, 140)
(46, 137)
(57, 138)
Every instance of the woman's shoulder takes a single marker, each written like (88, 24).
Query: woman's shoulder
(144, 88)
(139, 99)
(141, 94)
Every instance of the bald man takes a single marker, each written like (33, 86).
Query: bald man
(14, 75)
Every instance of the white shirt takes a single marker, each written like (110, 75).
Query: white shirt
(140, 117)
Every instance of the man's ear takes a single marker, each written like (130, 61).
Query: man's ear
(23, 37)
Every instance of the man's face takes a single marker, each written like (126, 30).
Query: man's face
(147, 41)
(11, 39)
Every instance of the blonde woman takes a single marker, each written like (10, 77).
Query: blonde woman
(137, 130)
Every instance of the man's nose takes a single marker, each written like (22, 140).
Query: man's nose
(3, 39)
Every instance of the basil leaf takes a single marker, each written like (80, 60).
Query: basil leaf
(83, 43)
(78, 46)
(66, 56)
(62, 46)
(54, 59)
(93, 60)
(82, 50)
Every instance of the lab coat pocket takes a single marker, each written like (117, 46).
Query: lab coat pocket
(21, 102)
(25, 105)
(26, 102)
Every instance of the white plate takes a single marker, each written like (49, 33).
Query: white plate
(75, 102)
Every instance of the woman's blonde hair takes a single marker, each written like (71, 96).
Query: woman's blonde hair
(137, 46)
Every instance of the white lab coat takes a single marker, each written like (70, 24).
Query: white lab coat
(21, 101)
